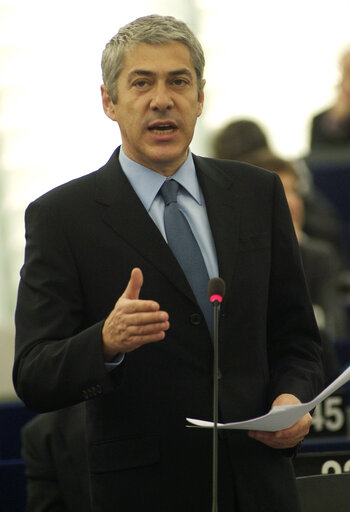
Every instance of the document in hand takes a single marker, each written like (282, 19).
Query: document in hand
(281, 416)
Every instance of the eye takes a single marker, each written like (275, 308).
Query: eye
(140, 84)
(180, 82)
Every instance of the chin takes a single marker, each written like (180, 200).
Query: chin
(169, 153)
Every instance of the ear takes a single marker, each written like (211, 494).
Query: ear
(108, 105)
(201, 100)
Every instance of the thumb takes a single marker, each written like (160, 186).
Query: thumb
(132, 291)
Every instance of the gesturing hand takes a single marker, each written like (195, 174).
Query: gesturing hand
(133, 322)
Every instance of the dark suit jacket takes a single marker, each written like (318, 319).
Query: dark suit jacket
(54, 452)
(83, 239)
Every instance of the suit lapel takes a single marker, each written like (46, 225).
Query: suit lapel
(223, 207)
(127, 217)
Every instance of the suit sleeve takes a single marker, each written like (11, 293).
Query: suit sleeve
(58, 356)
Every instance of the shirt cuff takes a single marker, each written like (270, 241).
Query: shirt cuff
(119, 358)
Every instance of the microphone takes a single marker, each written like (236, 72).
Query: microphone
(216, 292)
(216, 289)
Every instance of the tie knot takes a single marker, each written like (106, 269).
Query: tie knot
(169, 191)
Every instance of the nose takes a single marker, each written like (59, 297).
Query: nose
(161, 98)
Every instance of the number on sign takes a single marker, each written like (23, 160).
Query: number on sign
(329, 415)
(333, 466)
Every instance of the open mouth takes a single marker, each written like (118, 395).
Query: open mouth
(162, 128)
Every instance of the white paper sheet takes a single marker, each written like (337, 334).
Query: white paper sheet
(281, 416)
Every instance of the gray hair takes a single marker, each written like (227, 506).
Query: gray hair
(153, 29)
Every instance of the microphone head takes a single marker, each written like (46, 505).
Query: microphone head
(216, 289)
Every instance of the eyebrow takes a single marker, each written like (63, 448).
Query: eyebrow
(145, 72)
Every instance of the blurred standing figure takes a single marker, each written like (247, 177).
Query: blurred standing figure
(245, 140)
(332, 126)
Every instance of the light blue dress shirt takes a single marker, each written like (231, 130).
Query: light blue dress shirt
(147, 184)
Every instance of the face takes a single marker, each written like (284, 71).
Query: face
(157, 105)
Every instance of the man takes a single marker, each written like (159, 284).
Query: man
(331, 128)
(143, 361)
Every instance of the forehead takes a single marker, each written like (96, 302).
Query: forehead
(158, 58)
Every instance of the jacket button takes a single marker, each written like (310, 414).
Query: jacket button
(195, 319)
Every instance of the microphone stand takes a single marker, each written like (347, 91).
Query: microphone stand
(216, 292)
(215, 406)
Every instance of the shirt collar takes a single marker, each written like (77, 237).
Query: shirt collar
(147, 182)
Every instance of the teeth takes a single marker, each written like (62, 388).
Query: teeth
(162, 129)
(161, 132)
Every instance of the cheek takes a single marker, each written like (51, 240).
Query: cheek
(129, 122)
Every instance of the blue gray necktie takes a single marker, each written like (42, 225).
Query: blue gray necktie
(184, 245)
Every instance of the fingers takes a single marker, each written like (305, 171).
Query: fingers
(124, 332)
(287, 438)
(274, 440)
(134, 336)
(143, 327)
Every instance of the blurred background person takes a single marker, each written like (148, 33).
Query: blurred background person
(246, 140)
(240, 139)
(321, 263)
(331, 128)
(56, 467)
